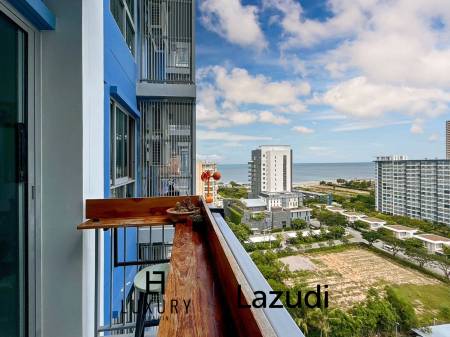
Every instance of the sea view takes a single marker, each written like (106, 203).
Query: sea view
(305, 172)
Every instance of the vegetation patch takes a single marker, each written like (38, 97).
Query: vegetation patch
(431, 302)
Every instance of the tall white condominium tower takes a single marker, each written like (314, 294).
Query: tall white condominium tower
(418, 189)
(447, 139)
(270, 169)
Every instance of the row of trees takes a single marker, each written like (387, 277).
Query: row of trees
(413, 248)
(235, 191)
(379, 315)
(353, 184)
(329, 218)
(332, 233)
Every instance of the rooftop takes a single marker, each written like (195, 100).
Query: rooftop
(433, 331)
(254, 202)
(262, 238)
(354, 214)
(335, 209)
(433, 237)
(400, 228)
(301, 209)
(372, 220)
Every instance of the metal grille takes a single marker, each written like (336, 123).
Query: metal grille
(166, 41)
(167, 145)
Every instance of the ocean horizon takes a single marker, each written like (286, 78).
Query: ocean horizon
(305, 172)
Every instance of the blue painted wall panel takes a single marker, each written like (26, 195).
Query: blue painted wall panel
(120, 84)
(36, 12)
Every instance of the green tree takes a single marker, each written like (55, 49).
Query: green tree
(371, 237)
(344, 325)
(320, 319)
(336, 232)
(395, 243)
(443, 263)
(415, 249)
(358, 225)
(299, 224)
(403, 308)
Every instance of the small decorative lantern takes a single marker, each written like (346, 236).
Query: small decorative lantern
(206, 177)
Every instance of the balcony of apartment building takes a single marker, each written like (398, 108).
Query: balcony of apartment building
(166, 56)
(157, 275)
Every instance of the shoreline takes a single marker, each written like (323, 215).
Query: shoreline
(302, 183)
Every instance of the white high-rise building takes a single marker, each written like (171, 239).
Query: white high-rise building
(447, 139)
(418, 189)
(270, 169)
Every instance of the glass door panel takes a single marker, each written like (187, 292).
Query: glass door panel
(13, 154)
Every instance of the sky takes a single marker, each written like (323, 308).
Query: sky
(338, 80)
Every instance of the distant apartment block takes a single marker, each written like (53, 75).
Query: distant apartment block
(447, 139)
(201, 187)
(270, 169)
(418, 189)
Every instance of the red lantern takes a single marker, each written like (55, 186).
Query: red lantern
(206, 176)
(216, 176)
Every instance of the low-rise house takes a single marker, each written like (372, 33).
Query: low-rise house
(401, 232)
(434, 243)
(261, 238)
(303, 213)
(335, 209)
(374, 223)
(282, 199)
(353, 216)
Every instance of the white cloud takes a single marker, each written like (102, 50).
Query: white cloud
(228, 136)
(269, 117)
(233, 21)
(209, 157)
(234, 97)
(302, 129)
(395, 42)
(417, 126)
(367, 124)
(434, 137)
(321, 150)
(238, 86)
(292, 62)
(348, 16)
(360, 98)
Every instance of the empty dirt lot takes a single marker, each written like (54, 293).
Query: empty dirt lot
(350, 273)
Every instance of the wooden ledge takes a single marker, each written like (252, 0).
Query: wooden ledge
(108, 223)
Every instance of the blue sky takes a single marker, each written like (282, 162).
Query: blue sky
(338, 80)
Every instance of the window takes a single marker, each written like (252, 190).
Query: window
(122, 153)
(123, 13)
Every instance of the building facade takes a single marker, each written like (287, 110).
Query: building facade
(270, 169)
(447, 139)
(418, 189)
(201, 188)
(97, 101)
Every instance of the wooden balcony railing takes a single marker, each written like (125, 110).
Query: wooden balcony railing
(207, 266)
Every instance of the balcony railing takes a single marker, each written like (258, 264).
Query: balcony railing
(207, 269)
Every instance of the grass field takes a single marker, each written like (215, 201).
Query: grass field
(350, 273)
(430, 302)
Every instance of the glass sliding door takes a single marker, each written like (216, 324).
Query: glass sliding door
(13, 175)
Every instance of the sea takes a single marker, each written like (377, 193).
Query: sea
(305, 172)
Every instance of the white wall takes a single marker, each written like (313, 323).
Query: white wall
(72, 163)
(93, 141)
